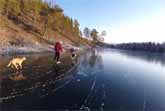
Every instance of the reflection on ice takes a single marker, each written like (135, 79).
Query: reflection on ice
(18, 76)
(91, 63)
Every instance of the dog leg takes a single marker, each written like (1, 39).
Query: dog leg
(20, 66)
(16, 66)
(12, 66)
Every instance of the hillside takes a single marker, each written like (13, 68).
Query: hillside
(29, 30)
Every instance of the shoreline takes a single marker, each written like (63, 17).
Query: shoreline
(16, 50)
(22, 50)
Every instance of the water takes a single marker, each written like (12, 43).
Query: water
(103, 80)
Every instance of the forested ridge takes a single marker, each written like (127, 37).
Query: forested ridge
(44, 20)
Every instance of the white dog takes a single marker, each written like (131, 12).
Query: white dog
(16, 63)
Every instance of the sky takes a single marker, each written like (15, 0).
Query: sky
(124, 20)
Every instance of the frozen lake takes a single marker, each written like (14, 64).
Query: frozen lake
(103, 80)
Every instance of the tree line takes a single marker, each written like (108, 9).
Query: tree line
(94, 35)
(148, 46)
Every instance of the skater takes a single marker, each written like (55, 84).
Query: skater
(58, 49)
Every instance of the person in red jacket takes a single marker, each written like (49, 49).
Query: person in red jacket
(58, 50)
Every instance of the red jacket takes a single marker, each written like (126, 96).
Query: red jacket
(58, 47)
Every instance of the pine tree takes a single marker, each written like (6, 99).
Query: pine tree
(94, 35)
(71, 25)
(86, 32)
(76, 27)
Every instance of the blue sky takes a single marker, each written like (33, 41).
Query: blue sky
(124, 20)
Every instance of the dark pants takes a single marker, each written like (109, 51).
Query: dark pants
(73, 55)
(57, 56)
